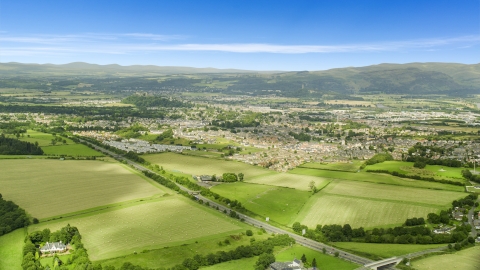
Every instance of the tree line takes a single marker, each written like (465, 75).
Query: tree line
(12, 216)
(11, 146)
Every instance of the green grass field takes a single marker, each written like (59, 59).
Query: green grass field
(384, 250)
(43, 139)
(336, 166)
(299, 182)
(435, 171)
(467, 259)
(244, 264)
(199, 165)
(11, 246)
(168, 221)
(46, 188)
(371, 204)
(71, 150)
(324, 262)
(375, 178)
(277, 203)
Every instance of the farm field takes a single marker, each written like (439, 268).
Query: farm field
(277, 203)
(324, 262)
(199, 165)
(247, 263)
(436, 171)
(385, 250)
(300, 182)
(467, 259)
(11, 246)
(43, 139)
(173, 255)
(169, 221)
(71, 150)
(336, 166)
(46, 188)
(327, 209)
(375, 178)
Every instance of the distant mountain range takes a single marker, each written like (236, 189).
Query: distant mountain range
(410, 79)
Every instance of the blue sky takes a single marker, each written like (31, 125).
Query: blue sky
(255, 35)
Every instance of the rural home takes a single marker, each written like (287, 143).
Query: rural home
(53, 247)
(294, 265)
(444, 230)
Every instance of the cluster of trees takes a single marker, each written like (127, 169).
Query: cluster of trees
(167, 134)
(378, 158)
(302, 136)
(231, 177)
(470, 176)
(133, 156)
(12, 216)
(414, 221)
(229, 124)
(10, 146)
(146, 101)
(428, 161)
(14, 127)
(131, 132)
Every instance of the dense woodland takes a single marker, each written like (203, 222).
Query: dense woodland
(12, 216)
(10, 146)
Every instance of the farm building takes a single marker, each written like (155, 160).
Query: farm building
(53, 247)
(295, 265)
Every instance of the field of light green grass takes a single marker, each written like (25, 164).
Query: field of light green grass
(43, 139)
(199, 165)
(467, 259)
(352, 166)
(299, 182)
(384, 251)
(278, 203)
(168, 221)
(11, 246)
(46, 188)
(324, 262)
(74, 150)
(247, 263)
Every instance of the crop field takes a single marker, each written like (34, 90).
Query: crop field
(467, 259)
(277, 203)
(336, 166)
(11, 246)
(358, 212)
(46, 188)
(436, 171)
(410, 195)
(375, 178)
(172, 220)
(385, 250)
(199, 165)
(43, 139)
(300, 182)
(324, 262)
(71, 150)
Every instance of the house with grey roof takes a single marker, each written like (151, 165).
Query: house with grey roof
(294, 265)
(53, 247)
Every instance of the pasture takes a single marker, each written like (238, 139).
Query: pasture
(358, 212)
(467, 259)
(324, 262)
(74, 150)
(375, 178)
(435, 171)
(277, 203)
(168, 221)
(300, 182)
(43, 139)
(200, 165)
(384, 251)
(46, 188)
(247, 263)
(334, 166)
(11, 246)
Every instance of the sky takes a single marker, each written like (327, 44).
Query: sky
(253, 35)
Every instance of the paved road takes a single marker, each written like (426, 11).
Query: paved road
(269, 228)
(473, 233)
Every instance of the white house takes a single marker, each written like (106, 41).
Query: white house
(53, 247)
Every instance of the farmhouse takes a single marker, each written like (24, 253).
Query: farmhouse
(444, 230)
(53, 247)
(295, 265)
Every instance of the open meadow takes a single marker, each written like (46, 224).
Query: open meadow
(299, 182)
(200, 165)
(384, 251)
(46, 188)
(324, 262)
(467, 259)
(352, 166)
(372, 205)
(278, 203)
(11, 246)
(168, 221)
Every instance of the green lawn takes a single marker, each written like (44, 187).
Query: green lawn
(375, 178)
(352, 166)
(279, 204)
(45, 187)
(324, 262)
(384, 250)
(467, 259)
(244, 264)
(299, 182)
(11, 246)
(435, 171)
(43, 139)
(71, 150)
(169, 221)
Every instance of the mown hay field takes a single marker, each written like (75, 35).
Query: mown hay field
(300, 182)
(71, 150)
(467, 259)
(168, 221)
(46, 188)
(278, 203)
(385, 251)
(43, 139)
(11, 246)
(435, 171)
(195, 165)
(335, 166)
(375, 178)
(324, 261)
